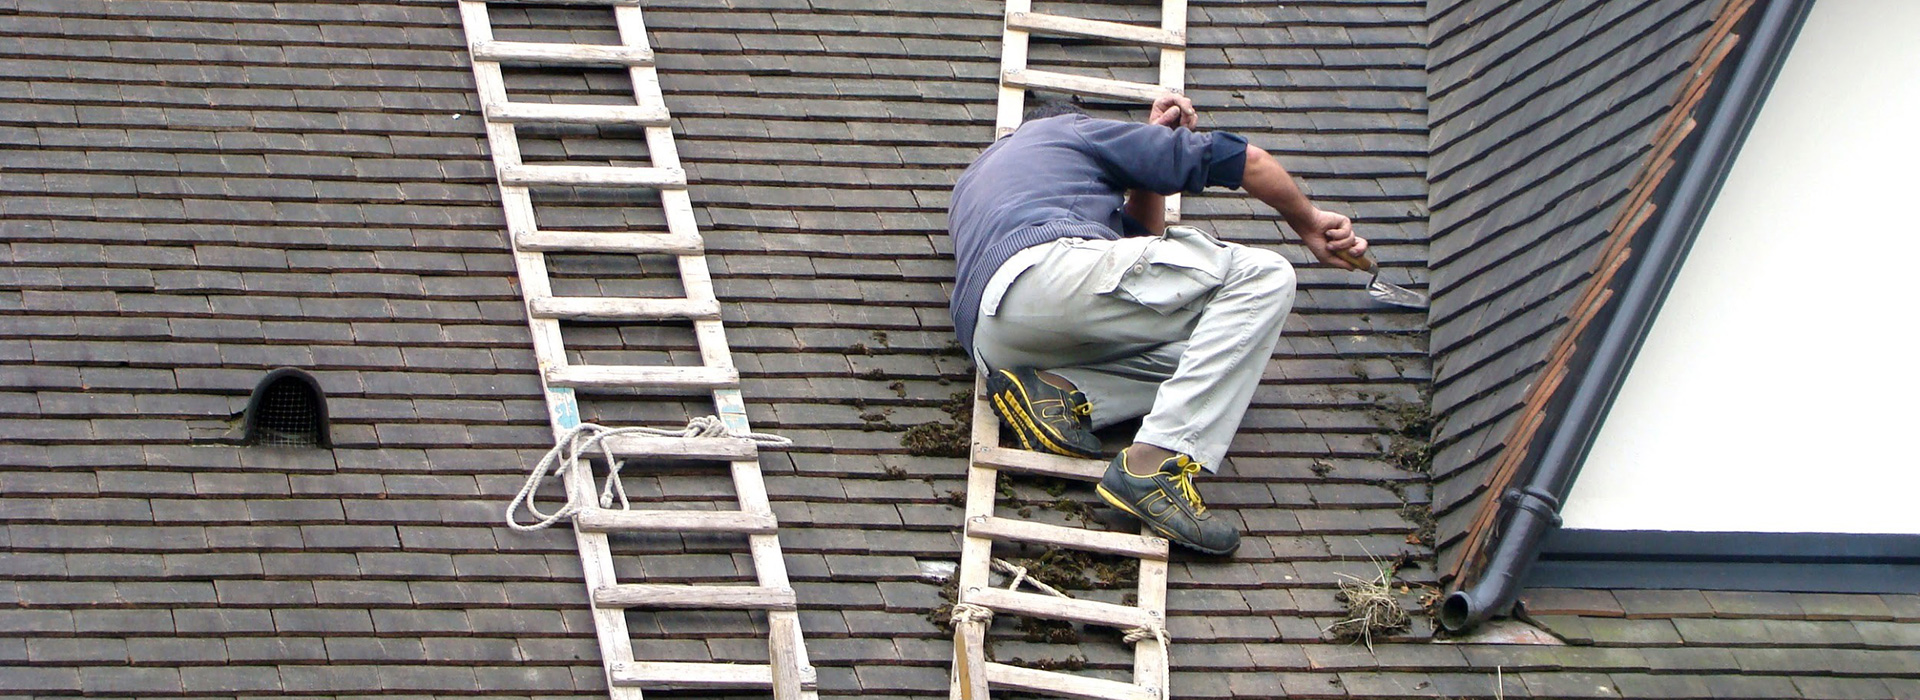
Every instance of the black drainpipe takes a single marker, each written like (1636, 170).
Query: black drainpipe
(1535, 508)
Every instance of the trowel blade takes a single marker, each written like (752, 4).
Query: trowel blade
(1387, 293)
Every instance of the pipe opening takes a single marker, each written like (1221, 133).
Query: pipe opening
(1456, 612)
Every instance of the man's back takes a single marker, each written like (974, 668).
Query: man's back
(1043, 172)
(1067, 176)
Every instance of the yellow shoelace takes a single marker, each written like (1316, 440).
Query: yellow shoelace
(1184, 480)
(1083, 409)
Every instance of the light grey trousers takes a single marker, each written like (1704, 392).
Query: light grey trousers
(1176, 328)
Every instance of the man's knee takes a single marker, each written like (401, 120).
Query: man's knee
(1265, 269)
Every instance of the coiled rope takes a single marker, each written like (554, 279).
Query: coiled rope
(969, 612)
(588, 438)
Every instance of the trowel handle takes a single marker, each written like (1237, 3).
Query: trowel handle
(1365, 263)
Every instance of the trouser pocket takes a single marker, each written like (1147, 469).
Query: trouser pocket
(1177, 271)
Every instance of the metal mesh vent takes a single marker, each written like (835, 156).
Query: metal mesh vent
(287, 410)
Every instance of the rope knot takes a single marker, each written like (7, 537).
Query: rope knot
(1154, 632)
(968, 612)
(706, 426)
(1157, 632)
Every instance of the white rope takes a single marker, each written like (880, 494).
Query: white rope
(1019, 574)
(968, 612)
(588, 437)
(1157, 632)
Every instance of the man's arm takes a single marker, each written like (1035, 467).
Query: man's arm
(1323, 232)
(1145, 206)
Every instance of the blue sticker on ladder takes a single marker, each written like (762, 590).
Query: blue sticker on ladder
(732, 410)
(566, 411)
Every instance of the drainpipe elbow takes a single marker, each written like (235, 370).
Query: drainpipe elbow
(1535, 511)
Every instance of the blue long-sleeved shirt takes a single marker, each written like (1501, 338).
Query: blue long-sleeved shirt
(1067, 176)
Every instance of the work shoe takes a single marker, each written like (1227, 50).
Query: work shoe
(1166, 501)
(1045, 418)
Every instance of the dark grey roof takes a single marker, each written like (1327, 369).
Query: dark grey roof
(197, 192)
(1543, 116)
(193, 193)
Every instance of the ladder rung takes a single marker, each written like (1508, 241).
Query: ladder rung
(592, 176)
(621, 309)
(1041, 463)
(563, 54)
(702, 448)
(595, 242)
(1064, 685)
(618, 377)
(679, 674)
(604, 520)
(1122, 543)
(654, 595)
(1094, 29)
(1083, 85)
(1075, 609)
(540, 113)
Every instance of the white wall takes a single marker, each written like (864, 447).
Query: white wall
(1779, 390)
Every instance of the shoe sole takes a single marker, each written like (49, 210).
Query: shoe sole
(1155, 525)
(1010, 401)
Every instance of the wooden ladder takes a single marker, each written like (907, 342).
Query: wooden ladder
(1016, 78)
(788, 674)
(974, 676)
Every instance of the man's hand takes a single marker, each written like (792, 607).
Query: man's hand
(1326, 233)
(1173, 110)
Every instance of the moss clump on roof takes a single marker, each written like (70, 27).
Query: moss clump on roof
(1409, 445)
(942, 439)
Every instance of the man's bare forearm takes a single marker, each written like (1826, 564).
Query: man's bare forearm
(1269, 182)
(1329, 236)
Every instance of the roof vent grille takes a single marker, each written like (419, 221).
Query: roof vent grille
(288, 409)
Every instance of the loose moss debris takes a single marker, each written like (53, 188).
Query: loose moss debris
(941, 439)
(1409, 445)
(1371, 607)
(1421, 515)
(1068, 569)
(942, 615)
(1071, 663)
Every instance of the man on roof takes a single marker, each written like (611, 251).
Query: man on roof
(1086, 309)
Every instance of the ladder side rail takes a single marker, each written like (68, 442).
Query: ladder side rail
(1013, 56)
(976, 555)
(1173, 71)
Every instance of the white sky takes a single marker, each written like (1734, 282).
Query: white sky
(1779, 390)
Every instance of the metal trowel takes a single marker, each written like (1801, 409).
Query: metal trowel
(1381, 291)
